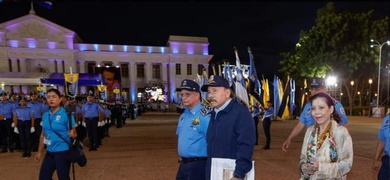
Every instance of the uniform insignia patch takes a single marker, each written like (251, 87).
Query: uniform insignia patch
(206, 110)
(58, 117)
(342, 111)
(195, 121)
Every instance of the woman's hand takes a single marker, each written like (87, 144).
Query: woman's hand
(72, 133)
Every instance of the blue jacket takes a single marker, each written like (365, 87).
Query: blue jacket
(231, 134)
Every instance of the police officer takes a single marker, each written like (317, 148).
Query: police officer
(383, 145)
(14, 100)
(117, 114)
(191, 131)
(7, 136)
(24, 125)
(90, 111)
(268, 114)
(38, 109)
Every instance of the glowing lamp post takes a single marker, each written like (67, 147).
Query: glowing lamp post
(350, 108)
(379, 45)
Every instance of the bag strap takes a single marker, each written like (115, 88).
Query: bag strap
(55, 132)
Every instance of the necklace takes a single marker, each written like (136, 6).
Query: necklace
(322, 137)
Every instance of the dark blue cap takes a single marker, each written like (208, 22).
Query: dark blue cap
(189, 85)
(317, 82)
(216, 81)
(3, 94)
(22, 98)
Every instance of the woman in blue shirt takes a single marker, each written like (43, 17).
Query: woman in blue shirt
(57, 156)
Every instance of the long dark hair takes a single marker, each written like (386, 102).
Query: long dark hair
(329, 101)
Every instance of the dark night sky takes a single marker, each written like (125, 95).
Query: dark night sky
(267, 27)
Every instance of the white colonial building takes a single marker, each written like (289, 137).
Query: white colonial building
(32, 48)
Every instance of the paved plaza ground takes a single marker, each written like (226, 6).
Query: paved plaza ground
(146, 149)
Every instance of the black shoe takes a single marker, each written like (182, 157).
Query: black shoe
(266, 147)
(4, 151)
(11, 150)
(24, 154)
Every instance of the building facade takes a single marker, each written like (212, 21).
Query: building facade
(32, 48)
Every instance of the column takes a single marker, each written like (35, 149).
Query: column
(14, 65)
(206, 66)
(133, 78)
(60, 66)
(164, 75)
(82, 89)
(23, 64)
(171, 81)
(82, 66)
(52, 65)
(148, 71)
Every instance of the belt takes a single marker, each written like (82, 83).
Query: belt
(193, 159)
(91, 117)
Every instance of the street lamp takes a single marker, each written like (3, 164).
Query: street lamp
(379, 45)
(360, 99)
(350, 108)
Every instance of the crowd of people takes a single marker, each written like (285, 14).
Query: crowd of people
(32, 123)
(221, 128)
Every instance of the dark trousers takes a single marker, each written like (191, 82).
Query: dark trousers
(106, 127)
(267, 130)
(24, 128)
(192, 170)
(55, 161)
(81, 132)
(383, 173)
(100, 135)
(92, 131)
(256, 120)
(7, 136)
(37, 133)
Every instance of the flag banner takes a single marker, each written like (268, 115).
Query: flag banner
(71, 83)
(103, 91)
(223, 168)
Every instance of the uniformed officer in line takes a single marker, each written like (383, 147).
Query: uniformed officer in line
(90, 111)
(80, 129)
(107, 121)
(7, 136)
(24, 125)
(191, 132)
(14, 100)
(38, 109)
(381, 163)
(116, 114)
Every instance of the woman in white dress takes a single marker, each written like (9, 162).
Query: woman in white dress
(327, 151)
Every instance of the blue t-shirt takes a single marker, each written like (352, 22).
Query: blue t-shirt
(60, 124)
(192, 129)
(307, 119)
(384, 134)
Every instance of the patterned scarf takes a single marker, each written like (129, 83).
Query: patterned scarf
(315, 143)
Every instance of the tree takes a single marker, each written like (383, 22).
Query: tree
(338, 44)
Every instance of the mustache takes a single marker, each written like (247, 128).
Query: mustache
(212, 100)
